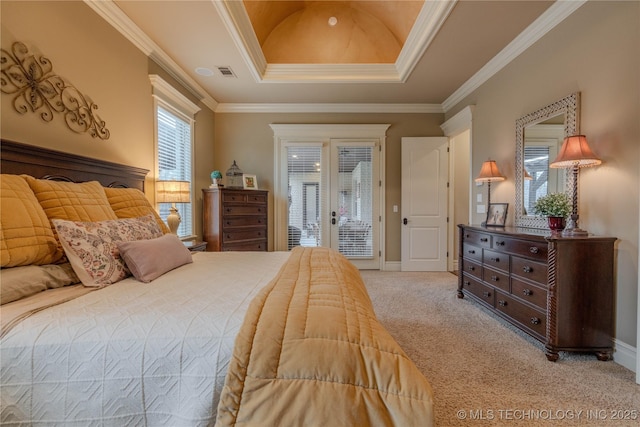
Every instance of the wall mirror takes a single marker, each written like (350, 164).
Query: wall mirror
(539, 136)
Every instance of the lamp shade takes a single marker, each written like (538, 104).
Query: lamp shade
(489, 172)
(173, 192)
(575, 152)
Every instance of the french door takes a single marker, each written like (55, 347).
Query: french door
(333, 191)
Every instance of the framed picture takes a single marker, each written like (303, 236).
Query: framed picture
(249, 182)
(497, 214)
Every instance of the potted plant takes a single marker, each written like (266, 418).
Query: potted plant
(556, 207)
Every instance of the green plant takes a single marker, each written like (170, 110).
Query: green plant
(553, 204)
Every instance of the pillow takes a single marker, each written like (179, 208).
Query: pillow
(150, 259)
(26, 237)
(20, 282)
(132, 203)
(72, 201)
(91, 247)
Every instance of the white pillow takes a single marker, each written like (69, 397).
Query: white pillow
(92, 250)
(150, 259)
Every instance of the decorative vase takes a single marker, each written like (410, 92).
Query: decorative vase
(556, 223)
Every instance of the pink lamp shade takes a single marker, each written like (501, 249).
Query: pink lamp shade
(575, 151)
(489, 172)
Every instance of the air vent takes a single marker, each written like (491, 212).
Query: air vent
(226, 71)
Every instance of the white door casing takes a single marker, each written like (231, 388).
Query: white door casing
(425, 171)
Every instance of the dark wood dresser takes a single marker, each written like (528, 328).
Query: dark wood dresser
(235, 219)
(559, 290)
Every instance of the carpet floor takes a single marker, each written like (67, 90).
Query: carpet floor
(485, 372)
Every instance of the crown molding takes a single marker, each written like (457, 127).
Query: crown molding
(555, 14)
(111, 13)
(330, 108)
(428, 23)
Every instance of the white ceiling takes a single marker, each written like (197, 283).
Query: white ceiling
(471, 42)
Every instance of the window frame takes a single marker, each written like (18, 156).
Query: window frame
(167, 97)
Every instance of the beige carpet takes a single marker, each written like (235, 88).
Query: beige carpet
(484, 372)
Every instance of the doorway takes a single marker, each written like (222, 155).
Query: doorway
(333, 188)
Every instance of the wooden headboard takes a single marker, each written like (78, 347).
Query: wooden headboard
(17, 158)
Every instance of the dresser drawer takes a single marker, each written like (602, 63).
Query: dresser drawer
(526, 248)
(243, 221)
(476, 238)
(472, 252)
(257, 198)
(245, 246)
(496, 260)
(530, 318)
(245, 210)
(244, 234)
(472, 268)
(529, 292)
(531, 270)
(496, 278)
(234, 196)
(480, 290)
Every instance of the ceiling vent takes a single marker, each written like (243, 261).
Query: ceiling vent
(226, 71)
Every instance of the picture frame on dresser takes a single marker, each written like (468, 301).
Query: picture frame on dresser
(497, 214)
(249, 182)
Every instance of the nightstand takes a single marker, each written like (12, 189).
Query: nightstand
(195, 246)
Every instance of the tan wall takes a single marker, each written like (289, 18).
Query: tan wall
(595, 52)
(88, 53)
(248, 139)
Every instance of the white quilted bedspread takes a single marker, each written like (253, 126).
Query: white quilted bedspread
(153, 354)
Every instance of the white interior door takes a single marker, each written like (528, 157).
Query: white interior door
(425, 171)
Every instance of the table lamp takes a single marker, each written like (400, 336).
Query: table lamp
(173, 192)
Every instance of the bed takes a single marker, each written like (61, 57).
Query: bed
(225, 339)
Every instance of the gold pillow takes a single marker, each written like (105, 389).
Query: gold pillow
(72, 201)
(26, 237)
(132, 203)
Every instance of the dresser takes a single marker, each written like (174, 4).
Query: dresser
(558, 290)
(235, 219)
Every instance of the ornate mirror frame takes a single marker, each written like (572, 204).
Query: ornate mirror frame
(570, 107)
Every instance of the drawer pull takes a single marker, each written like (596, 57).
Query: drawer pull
(495, 259)
(466, 236)
(467, 283)
(486, 294)
(535, 321)
(533, 249)
(471, 268)
(527, 292)
(495, 278)
(500, 243)
(502, 303)
(484, 239)
(471, 251)
(527, 269)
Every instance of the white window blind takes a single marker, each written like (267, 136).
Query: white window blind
(536, 164)
(304, 165)
(174, 162)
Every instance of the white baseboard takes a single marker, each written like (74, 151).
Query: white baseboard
(392, 266)
(625, 355)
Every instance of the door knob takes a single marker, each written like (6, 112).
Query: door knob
(405, 221)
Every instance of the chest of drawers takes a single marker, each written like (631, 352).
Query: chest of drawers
(235, 219)
(558, 290)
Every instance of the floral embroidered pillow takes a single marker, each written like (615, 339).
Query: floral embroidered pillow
(92, 249)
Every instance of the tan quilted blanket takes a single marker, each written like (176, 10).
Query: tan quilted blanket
(312, 353)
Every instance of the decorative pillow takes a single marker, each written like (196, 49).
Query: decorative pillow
(92, 246)
(21, 282)
(150, 259)
(26, 237)
(72, 201)
(132, 203)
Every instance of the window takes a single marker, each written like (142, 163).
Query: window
(174, 118)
